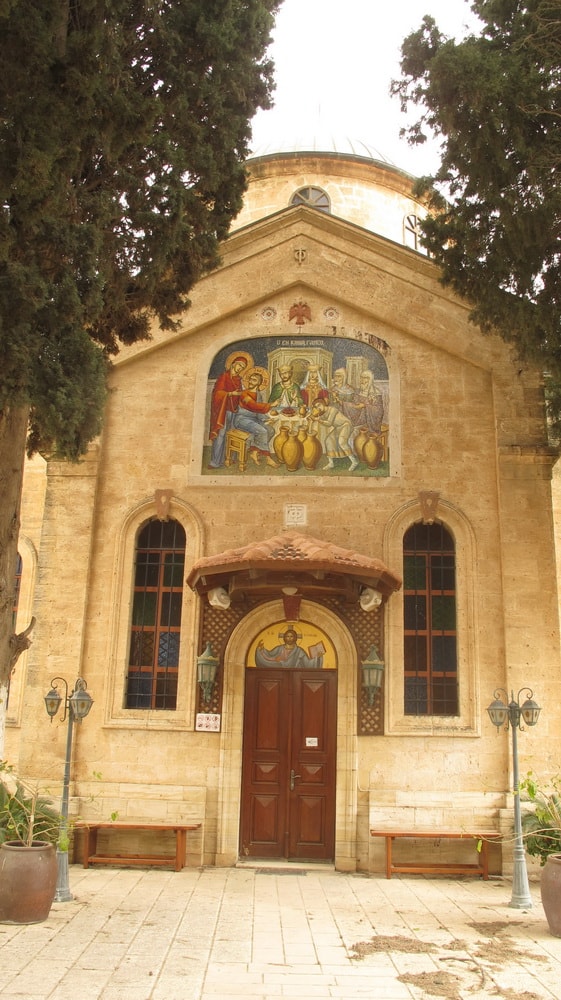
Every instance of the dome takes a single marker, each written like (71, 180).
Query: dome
(322, 169)
(319, 142)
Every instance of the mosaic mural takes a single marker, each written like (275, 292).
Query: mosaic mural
(289, 644)
(299, 406)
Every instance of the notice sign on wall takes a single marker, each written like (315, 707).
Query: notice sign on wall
(208, 722)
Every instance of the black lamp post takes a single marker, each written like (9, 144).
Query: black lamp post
(76, 706)
(512, 714)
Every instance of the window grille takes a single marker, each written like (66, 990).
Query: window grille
(313, 197)
(411, 231)
(15, 604)
(17, 587)
(156, 616)
(430, 637)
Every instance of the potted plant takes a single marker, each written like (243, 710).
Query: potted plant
(29, 829)
(542, 834)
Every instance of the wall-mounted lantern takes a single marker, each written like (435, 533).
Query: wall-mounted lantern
(207, 668)
(372, 673)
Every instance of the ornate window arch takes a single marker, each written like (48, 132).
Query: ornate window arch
(17, 585)
(24, 593)
(153, 615)
(402, 696)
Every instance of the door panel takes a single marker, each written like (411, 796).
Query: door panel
(288, 777)
(312, 822)
(264, 764)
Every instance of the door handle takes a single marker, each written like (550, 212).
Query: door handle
(293, 777)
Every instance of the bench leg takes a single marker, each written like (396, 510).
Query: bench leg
(180, 849)
(389, 843)
(90, 845)
(484, 859)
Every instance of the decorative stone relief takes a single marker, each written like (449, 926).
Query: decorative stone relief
(428, 500)
(162, 499)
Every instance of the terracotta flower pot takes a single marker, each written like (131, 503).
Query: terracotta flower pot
(28, 878)
(551, 893)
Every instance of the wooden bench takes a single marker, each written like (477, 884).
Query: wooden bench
(481, 844)
(177, 860)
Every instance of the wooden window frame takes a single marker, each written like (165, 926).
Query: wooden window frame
(155, 682)
(15, 605)
(436, 691)
(313, 197)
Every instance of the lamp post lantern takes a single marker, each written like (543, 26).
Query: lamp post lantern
(372, 673)
(512, 714)
(207, 669)
(76, 706)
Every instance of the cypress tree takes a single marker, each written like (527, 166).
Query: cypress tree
(124, 126)
(494, 100)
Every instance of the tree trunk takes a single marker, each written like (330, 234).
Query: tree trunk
(13, 436)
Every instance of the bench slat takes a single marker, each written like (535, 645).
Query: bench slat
(90, 855)
(483, 839)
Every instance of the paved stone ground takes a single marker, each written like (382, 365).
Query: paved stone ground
(221, 933)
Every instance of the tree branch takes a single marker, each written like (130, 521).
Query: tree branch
(19, 642)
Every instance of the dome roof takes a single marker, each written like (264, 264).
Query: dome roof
(319, 142)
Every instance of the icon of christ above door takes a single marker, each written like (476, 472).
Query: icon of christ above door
(292, 645)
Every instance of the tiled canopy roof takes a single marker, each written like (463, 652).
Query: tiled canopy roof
(295, 554)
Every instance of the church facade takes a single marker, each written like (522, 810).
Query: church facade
(316, 536)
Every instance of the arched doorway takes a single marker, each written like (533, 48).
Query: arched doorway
(343, 792)
(289, 761)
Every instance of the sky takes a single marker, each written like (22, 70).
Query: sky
(335, 60)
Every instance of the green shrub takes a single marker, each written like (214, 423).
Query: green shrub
(24, 814)
(542, 826)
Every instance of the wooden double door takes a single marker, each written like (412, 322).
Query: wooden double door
(289, 764)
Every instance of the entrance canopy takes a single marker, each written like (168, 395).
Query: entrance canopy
(292, 564)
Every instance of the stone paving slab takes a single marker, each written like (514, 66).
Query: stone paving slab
(264, 934)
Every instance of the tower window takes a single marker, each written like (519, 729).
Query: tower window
(411, 231)
(313, 197)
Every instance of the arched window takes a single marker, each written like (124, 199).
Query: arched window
(313, 197)
(411, 231)
(430, 639)
(156, 616)
(17, 586)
